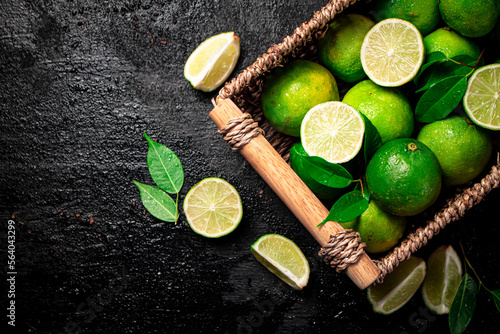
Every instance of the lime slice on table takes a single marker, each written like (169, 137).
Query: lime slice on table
(212, 61)
(444, 272)
(333, 131)
(398, 287)
(213, 207)
(482, 97)
(392, 52)
(283, 258)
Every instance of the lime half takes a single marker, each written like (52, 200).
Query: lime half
(283, 258)
(482, 97)
(213, 207)
(333, 131)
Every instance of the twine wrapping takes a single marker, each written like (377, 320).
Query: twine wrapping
(343, 249)
(239, 131)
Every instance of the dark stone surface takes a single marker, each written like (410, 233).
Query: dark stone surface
(80, 83)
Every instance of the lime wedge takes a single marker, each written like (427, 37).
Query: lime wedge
(444, 272)
(398, 287)
(392, 52)
(333, 131)
(482, 97)
(212, 61)
(283, 258)
(213, 207)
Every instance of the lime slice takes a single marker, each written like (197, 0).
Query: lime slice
(482, 97)
(213, 207)
(392, 52)
(398, 287)
(212, 61)
(444, 272)
(283, 258)
(333, 131)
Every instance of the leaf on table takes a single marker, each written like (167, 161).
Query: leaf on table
(463, 305)
(158, 202)
(347, 208)
(496, 298)
(372, 141)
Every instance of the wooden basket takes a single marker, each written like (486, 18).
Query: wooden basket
(267, 150)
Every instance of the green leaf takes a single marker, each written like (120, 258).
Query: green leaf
(440, 100)
(432, 60)
(347, 208)
(448, 68)
(463, 305)
(158, 202)
(496, 298)
(372, 141)
(165, 167)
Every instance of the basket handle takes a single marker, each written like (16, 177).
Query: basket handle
(293, 192)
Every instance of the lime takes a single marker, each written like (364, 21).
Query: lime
(404, 177)
(482, 97)
(398, 287)
(212, 61)
(213, 207)
(450, 43)
(462, 148)
(378, 229)
(283, 258)
(333, 131)
(424, 14)
(469, 19)
(290, 91)
(339, 50)
(386, 107)
(392, 52)
(444, 272)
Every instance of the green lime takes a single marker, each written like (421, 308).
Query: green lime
(339, 50)
(462, 148)
(283, 258)
(450, 44)
(424, 14)
(471, 19)
(387, 108)
(290, 91)
(404, 177)
(378, 229)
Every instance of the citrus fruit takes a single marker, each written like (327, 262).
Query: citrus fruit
(471, 19)
(392, 52)
(424, 14)
(398, 287)
(339, 50)
(333, 131)
(444, 272)
(482, 97)
(283, 258)
(378, 229)
(450, 43)
(462, 148)
(213, 207)
(386, 107)
(404, 177)
(211, 63)
(290, 91)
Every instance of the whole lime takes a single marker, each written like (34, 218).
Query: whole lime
(424, 14)
(339, 50)
(387, 108)
(404, 177)
(290, 91)
(471, 19)
(462, 148)
(378, 229)
(450, 43)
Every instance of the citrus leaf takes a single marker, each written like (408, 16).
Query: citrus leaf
(347, 208)
(158, 202)
(463, 305)
(496, 298)
(440, 100)
(372, 141)
(447, 68)
(165, 167)
(433, 59)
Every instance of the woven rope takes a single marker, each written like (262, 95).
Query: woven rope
(343, 249)
(239, 131)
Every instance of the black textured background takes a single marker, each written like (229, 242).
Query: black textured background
(80, 81)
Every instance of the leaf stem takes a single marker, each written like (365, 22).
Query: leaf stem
(474, 271)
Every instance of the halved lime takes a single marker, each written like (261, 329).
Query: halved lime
(213, 207)
(392, 52)
(333, 131)
(444, 272)
(212, 61)
(398, 287)
(482, 97)
(283, 258)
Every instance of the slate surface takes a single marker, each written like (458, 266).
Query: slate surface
(80, 83)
